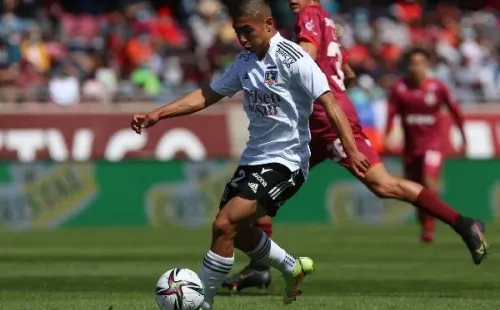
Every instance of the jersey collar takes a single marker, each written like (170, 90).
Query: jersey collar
(275, 40)
(422, 86)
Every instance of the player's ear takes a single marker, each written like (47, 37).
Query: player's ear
(269, 22)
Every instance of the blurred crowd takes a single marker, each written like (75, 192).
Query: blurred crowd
(70, 52)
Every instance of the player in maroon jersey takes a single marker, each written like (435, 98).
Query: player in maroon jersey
(316, 33)
(419, 100)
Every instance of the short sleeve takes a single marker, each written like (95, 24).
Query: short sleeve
(228, 83)
(308, 76)
(308, 27)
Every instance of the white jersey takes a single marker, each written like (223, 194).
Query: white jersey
(279, 92)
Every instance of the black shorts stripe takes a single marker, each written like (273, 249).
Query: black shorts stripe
(280, 188)
(277, 190)
(277, 187)
(291, 50)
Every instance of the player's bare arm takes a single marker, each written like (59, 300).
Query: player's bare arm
(457, 117)
(309, 47)
(188, 104)
(340, 124)
(349, 76)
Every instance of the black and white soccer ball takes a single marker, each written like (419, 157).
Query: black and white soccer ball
(179, 289)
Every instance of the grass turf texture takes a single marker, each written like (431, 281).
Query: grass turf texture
(356, 268)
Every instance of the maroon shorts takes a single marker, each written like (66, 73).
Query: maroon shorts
(417, 167)
(327, 145)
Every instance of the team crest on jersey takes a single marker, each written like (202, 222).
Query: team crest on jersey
(310, 27)
(430, 99)
(271, 77)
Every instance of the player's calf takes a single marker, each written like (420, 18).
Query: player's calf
(223, 232)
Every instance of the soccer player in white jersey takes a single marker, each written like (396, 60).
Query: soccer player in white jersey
(280, 82)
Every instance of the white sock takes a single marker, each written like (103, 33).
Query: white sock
(214, 272)
(269, 253)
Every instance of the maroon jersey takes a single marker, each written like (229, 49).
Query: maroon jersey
(420, 110)
(313, 24)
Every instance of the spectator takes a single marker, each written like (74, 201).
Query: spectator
(139, 49)
(103, 86)
(64, 86)
(224, 49)
(167, 29)
(34, 50)
(206, 23)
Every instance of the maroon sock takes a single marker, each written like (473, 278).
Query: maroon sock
(432, 204)
(427, 221)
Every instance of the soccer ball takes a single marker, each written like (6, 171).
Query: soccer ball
(179, 289)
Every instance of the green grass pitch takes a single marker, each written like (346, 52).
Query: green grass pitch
(356, 268)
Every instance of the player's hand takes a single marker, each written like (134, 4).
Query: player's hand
(386, 144)
(141, 121)
(359, 164)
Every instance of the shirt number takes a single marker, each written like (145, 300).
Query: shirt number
(238, 178)
(335, 53)
(337, 150)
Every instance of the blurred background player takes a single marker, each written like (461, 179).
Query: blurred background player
(419, 99)
(315, 31)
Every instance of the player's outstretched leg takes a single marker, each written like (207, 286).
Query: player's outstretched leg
(268, 252)
(384, 185)
(255, 274)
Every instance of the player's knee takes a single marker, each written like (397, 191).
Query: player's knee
(388, 188)
(223, 226)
